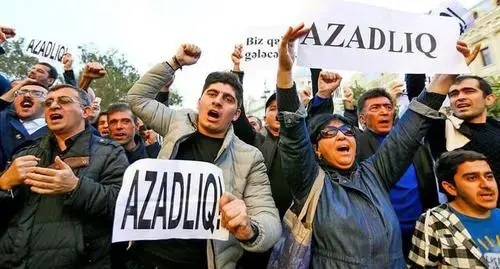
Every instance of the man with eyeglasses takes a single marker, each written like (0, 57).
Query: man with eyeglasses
(63, 190)
(25, 122)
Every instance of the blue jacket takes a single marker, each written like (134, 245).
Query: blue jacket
(14, 135)
(355, 225)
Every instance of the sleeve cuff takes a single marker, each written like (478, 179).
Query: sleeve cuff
(432, 100)
(287, 99)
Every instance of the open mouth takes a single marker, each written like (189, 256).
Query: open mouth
(463, 105)
(343, 148)
(27, 104)
(487, 196)
(55, 116)
(119, 135)
(384, 121)
(213, 114)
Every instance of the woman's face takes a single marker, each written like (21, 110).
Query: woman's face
(336, 145)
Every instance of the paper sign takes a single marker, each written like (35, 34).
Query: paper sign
(162, 199)
(46, 50)
(455, 10)
(260, 47)
(381, 40)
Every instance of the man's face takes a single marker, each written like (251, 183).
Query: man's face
(64, 112)
(102, 125)
(467, 100)
(40, 73)
(122, 127)
(475, 187)
(255, 123)
(28, 102)
(378, 115)
(270, 117)
(218, 107)
(94, 111)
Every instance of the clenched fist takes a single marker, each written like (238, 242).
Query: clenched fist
(188, 54)
(18, 171)
(67, 60)
(6, 33)
(94, 70)
(328, 82)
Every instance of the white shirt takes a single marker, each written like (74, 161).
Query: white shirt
(32, 126)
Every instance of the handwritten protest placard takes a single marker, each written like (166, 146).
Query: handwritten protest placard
(47, 50)
(162, 199)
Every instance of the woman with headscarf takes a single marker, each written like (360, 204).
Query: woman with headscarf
(355, 225)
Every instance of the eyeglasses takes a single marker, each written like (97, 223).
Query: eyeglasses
(24, 92)
(62, 100)
(331, 131)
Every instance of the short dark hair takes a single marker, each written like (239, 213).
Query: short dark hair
(121, 107)
(226, 78)
(52, 71)
(370, 94)
(102, 113)
(36, 83)
(483, 84)
(82, 95)
(447, 164)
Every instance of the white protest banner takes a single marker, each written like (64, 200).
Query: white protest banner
(381, 40)
(162, 199)
(46, 50)
(260, 47)
(455, 10)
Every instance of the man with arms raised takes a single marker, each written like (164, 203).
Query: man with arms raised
(247, 208)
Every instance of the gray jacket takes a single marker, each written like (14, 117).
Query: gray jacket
(355, 225)
(242, 165)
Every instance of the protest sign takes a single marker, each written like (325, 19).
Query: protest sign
(381, 40)
(162, 199)
(260, 47)
(46, 50)
(455, 10)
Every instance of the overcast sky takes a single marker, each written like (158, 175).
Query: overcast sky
(150, 31)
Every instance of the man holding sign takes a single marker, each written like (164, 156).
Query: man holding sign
(247, 209)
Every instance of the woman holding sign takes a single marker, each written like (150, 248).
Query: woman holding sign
(355, 225)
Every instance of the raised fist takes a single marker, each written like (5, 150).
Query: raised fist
(328, 82)
(305, 95)
(6, 33)
(94, 70)
(237, 54)
(188, 54)
(348, 98)
(67, 60)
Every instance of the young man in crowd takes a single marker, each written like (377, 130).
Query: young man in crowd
(123, 128)
(248, 210)
(465, 232)
(62, 192)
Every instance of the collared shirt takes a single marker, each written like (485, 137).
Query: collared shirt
(33, 125)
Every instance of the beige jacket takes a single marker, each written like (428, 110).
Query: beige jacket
(242, 165)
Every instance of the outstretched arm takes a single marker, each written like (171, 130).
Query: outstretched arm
(297, 155)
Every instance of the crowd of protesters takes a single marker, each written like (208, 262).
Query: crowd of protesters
(62, 162)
